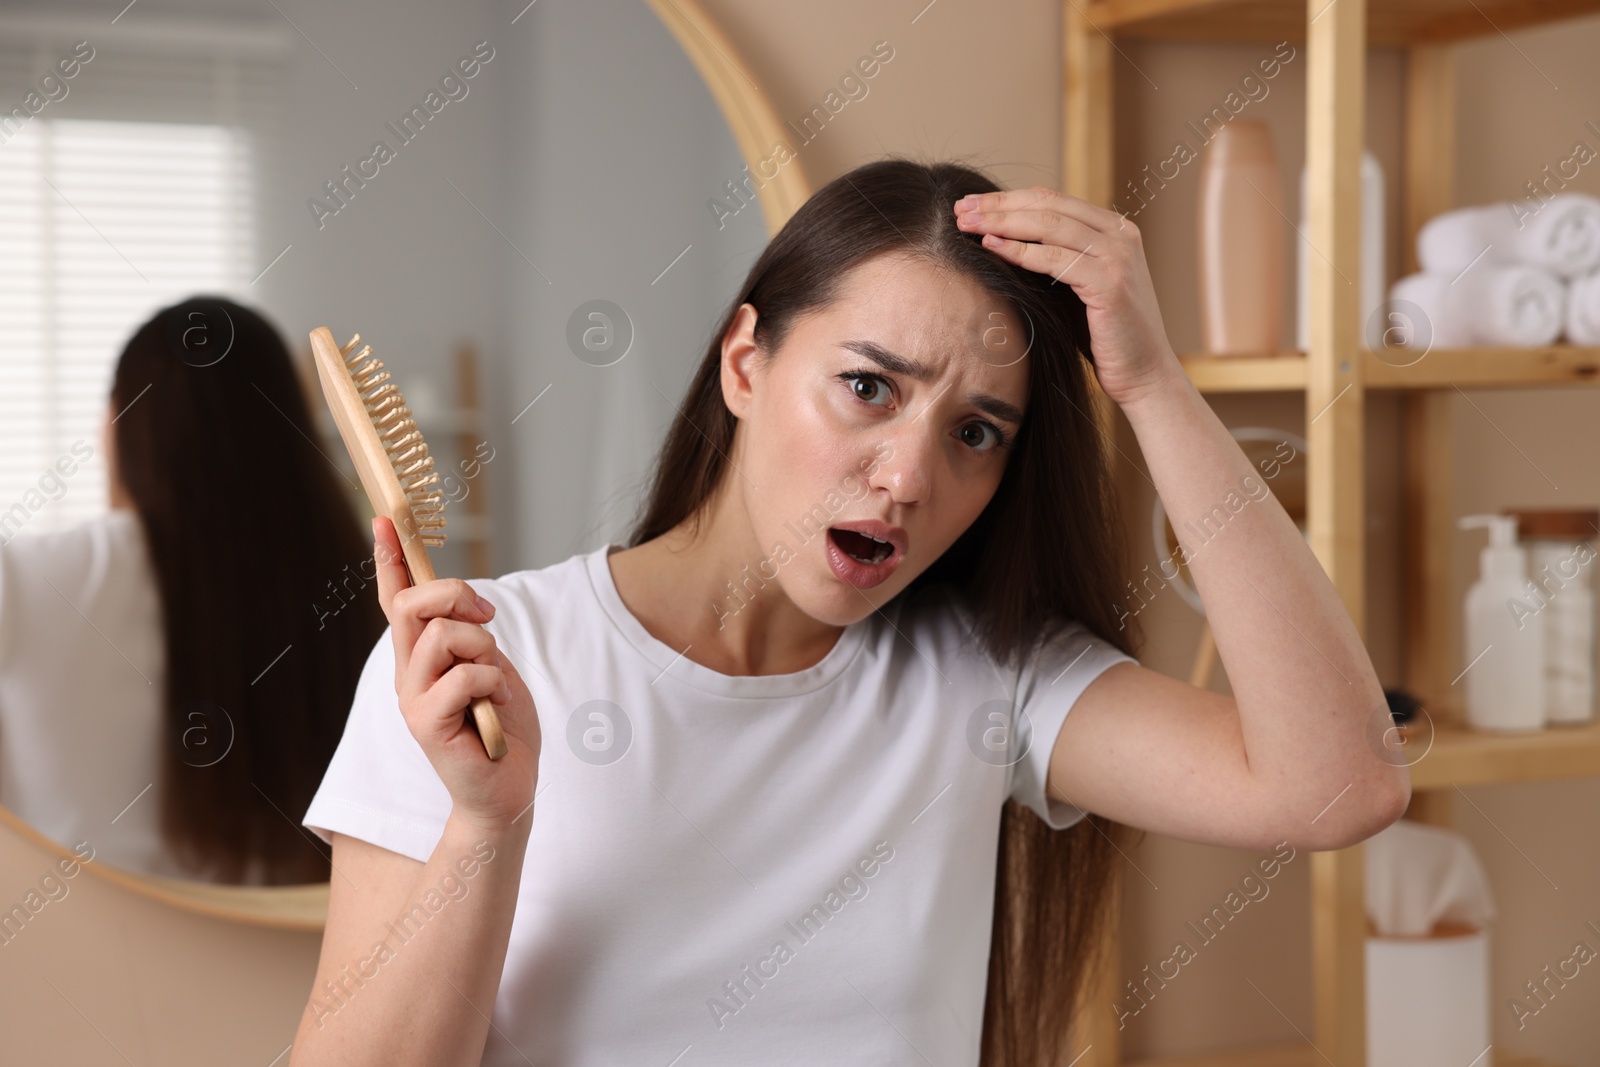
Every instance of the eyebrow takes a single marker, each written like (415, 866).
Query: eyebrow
(898, 364)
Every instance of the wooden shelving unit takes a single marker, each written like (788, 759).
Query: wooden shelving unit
(1334, 376)
(1442, 368)
(1449, 755)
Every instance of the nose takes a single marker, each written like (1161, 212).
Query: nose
(907, 471)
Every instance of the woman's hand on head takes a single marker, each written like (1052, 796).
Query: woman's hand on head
(1100, 254)
(444, 659)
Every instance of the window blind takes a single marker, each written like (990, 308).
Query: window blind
(135, 188)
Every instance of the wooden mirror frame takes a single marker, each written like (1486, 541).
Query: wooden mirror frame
(745, 106)
(292, 907)
(756, 132)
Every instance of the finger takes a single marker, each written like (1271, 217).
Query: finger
(1040, 197)
(444, 643)
(1039, 224)
(448, 700)
(1066, 266)
(513, 676)
(393, 578)
(1107, 220)
(1094, 216)
(444, 598)
(392, 573)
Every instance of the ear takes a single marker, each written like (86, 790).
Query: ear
(740, 360)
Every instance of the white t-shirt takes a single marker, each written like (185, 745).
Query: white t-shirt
(82, 665)
(779, 869)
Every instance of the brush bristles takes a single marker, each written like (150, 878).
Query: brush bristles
(402, 441)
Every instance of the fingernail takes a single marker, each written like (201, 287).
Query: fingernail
(484, 606)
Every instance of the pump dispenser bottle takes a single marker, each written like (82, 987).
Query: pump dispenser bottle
(1505, 686)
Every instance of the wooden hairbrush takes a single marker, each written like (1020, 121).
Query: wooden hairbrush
(396, 471)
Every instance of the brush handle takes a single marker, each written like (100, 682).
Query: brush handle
(388, 496)
(484, 716)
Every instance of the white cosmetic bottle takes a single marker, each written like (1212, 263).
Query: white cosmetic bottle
(1504, 633)
(1374, 282)
(1561, 556)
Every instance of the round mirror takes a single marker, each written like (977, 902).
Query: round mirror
(574, 195)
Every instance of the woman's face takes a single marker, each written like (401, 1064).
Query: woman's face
(891, 406)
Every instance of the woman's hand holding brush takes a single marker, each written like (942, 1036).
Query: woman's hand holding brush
(444, 659)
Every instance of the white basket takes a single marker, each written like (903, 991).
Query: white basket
(1427, 1000)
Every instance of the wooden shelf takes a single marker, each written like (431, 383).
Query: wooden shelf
(1389, 22)
(1459, 756)
(1332, 41)
(1442, 368)
(1306, 1056)
(1278, 373)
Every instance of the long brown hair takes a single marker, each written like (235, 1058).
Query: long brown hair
(267, 609)
(1045, 550)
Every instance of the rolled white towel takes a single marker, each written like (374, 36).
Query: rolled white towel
(1488, 305)
(1583, 310)
(1437, 325)
(1512, 305)
(1561, 235)
(1447, 243)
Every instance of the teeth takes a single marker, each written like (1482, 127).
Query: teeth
(877, 549)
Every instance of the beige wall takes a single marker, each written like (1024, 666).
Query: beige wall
(983, 82)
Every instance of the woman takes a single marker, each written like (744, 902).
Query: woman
(783, 742)
(175, 674)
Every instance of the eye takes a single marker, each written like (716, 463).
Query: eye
(998, 437)
(869, 388)
(865, 382)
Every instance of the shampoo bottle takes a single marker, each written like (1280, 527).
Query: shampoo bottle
(1242, 258)
(1504, 633)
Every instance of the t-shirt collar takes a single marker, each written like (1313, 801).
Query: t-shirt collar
(672, 664)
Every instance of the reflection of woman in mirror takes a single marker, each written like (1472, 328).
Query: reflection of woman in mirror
(173, 679)
(807, 786)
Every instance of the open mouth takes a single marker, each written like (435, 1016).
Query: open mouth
(860, 547)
